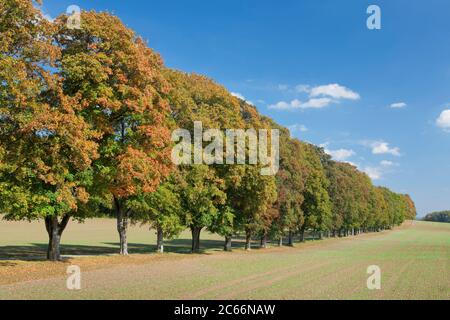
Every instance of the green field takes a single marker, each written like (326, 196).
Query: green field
(414, 261)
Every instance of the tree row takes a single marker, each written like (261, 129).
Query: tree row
(86, 117)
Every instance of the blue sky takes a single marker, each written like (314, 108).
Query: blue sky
(315, 67)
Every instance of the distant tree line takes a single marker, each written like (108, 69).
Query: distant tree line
(442, 216)
(86, 117)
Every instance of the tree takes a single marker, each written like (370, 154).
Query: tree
(378, 210)
(223, 224)
(316, 205)
(161, 209)
(352, 196)
(339, 190)
(442, 216)
(252, 196)
(362, 189)
(46, 146)
(202, 196)
(122, 90)
(195, 98)
(411, 211)
(290, 186)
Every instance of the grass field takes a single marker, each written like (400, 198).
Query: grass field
(414, 261)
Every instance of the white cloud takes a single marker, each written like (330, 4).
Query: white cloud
(297, 128)
(319, 97)
(240, 96)
(335, 91)
(303, 88)
(381, 147)
(378, 172)
(389, 164)
(340, 154)
(297, 104)
(398, 105)
(373, 173)
(444, 120)
(317, 103)
(283, 87)
(283, 105)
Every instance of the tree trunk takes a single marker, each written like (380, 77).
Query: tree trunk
(264, 241)
(248, 241)
(196, 238)
(122, 226)
(291, 239)
(159, 240)
(319, 234)
(280, 241)
(302, 235)
(227, 246)
(55, 229)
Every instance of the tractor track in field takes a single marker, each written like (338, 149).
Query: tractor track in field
(285, 272)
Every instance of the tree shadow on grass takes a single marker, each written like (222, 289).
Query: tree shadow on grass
(38, 251)
(179, 246)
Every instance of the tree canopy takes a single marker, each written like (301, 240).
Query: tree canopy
(47, 146)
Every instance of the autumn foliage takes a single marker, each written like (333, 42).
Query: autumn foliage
(85, 129)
